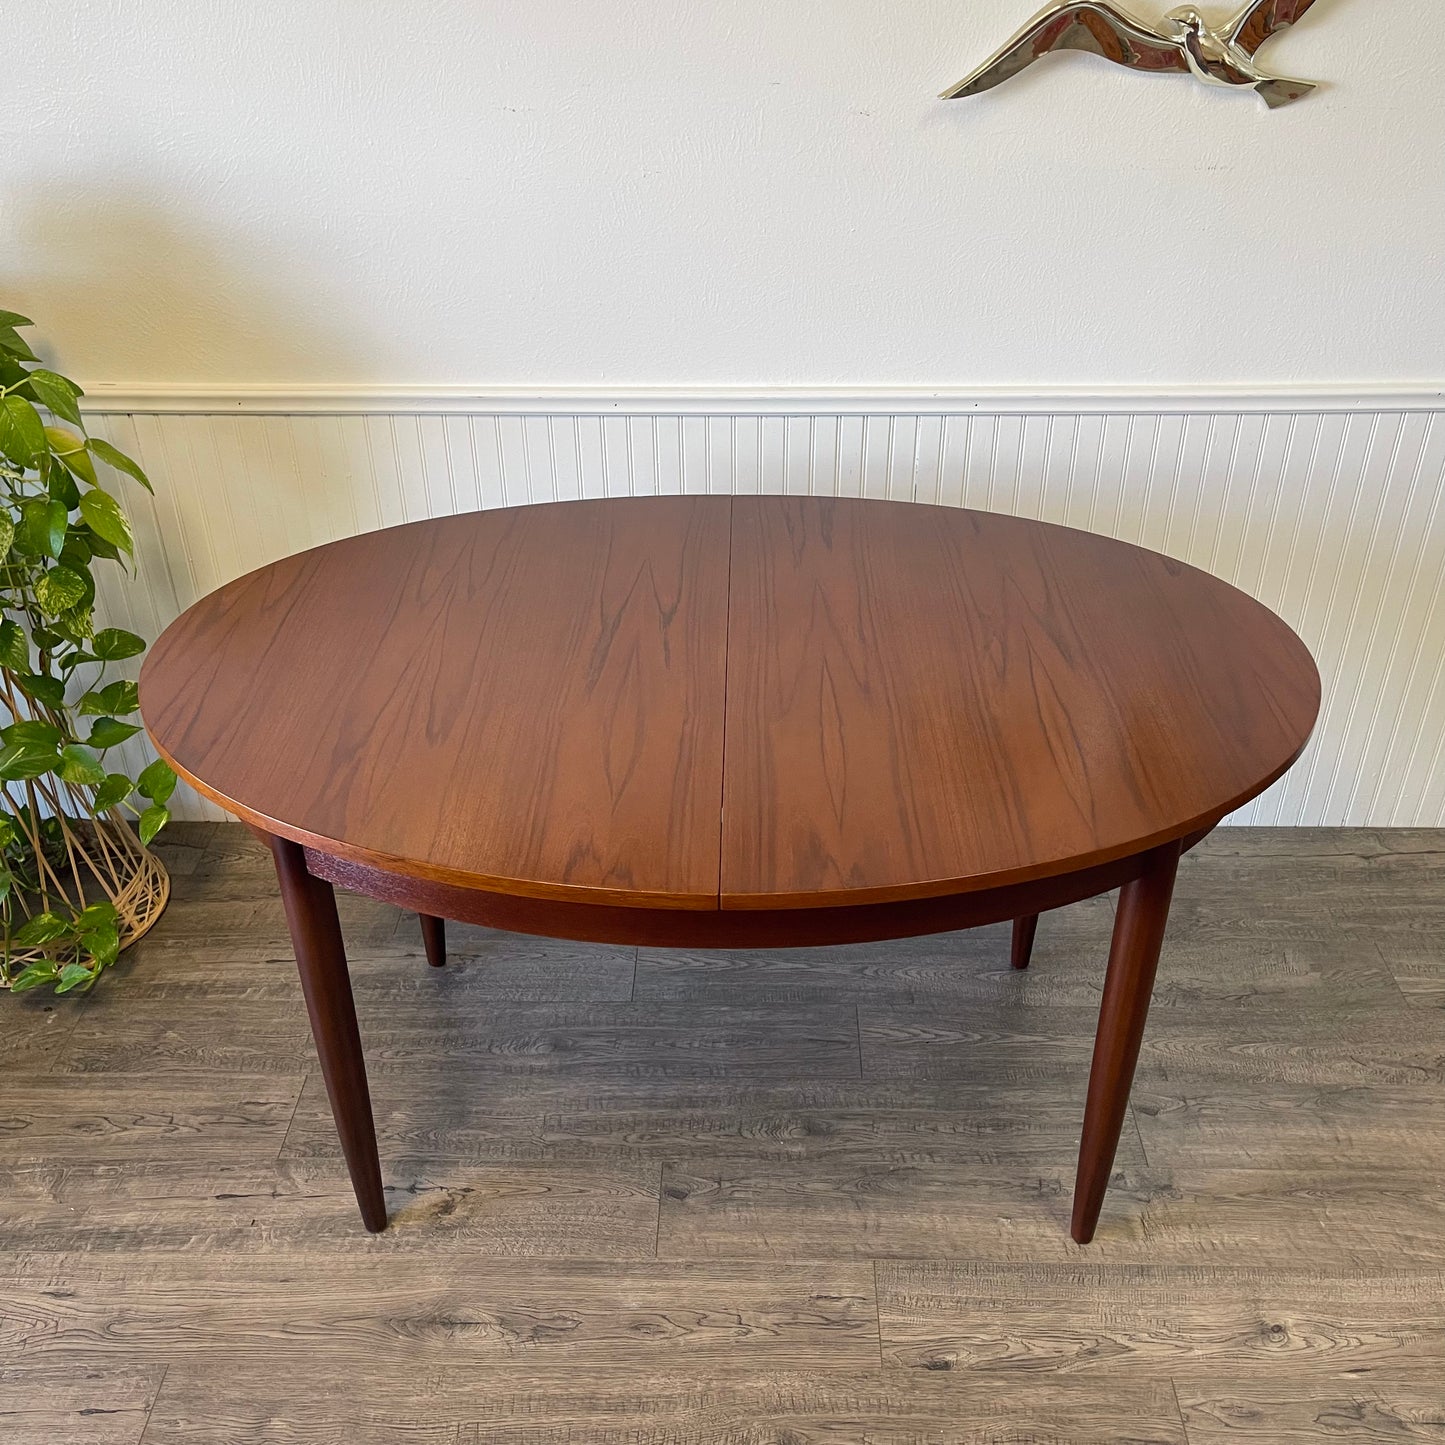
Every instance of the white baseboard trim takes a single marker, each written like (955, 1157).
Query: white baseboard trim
(166, 399)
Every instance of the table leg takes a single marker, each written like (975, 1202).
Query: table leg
(321, 960)
(434, 939)
(1139, 924)
(1023, 940)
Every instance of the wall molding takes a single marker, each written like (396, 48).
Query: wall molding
(178, 400)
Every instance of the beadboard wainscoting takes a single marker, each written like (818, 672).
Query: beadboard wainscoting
(1326, 508)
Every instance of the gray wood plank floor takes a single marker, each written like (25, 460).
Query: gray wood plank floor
(680, 1198)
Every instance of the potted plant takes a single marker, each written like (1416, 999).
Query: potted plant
(78, 881)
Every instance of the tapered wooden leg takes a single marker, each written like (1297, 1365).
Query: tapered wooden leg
(1023, 942)
(434, 939)
(321, 959)
(1139, 925)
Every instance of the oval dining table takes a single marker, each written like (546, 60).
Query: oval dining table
(730, 722)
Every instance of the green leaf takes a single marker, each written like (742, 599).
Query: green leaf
(7, 534)
(80, 766)
(15, 344)
(8, 833)
(43, 928)
(114, 457)
(112, 792)
(77, 624)
(107, 732)
(58, 393)
(60, 589)
(63, 488)
(74, 974)
(33, 976)
(115, 699)
(41, 532)
(81, 570)
(43, 688)
(32, 730)
(99, 929)
(112, 644)
(157, 782)
(22, 760)
(22, 433)
(99, 547)
(96, 914)
(105, 518)
(11, 371)
(14, 318)
(152, 821)
(7, 880)
(102, 943)
(71, 450)
(14, 649)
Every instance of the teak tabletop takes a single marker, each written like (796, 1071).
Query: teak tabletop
(720, 722)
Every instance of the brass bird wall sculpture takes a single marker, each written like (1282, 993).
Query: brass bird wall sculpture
(1182, 41)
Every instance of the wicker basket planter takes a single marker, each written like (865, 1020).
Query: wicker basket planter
(75, 857)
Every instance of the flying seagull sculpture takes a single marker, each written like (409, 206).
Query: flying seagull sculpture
(1182, 41)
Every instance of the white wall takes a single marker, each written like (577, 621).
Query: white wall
(709, 191)
(330, 264)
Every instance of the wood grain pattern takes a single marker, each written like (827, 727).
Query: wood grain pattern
(494, 1041)
(527, 700)
(1418, 966)
(39, 1039)
(58, 1405)
(940, 1044)
(1378, 1407)
(924, 701)
(164, 1248)
(253, 1205)
(845, 1207)
(887, 702)
(578, 1314)
(524, 1402)
(726, 928)
(578, 1120)
(884, 972)
(1199, 1120)
(89, 1118)
(1208, 1321)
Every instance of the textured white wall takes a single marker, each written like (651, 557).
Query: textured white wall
(708, 191)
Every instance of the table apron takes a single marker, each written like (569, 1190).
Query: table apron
(729, 928)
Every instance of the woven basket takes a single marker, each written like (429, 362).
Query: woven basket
(101, 857)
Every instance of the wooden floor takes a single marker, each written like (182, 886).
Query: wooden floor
(742, 1199)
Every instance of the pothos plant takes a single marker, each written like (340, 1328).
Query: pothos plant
(77, 880)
